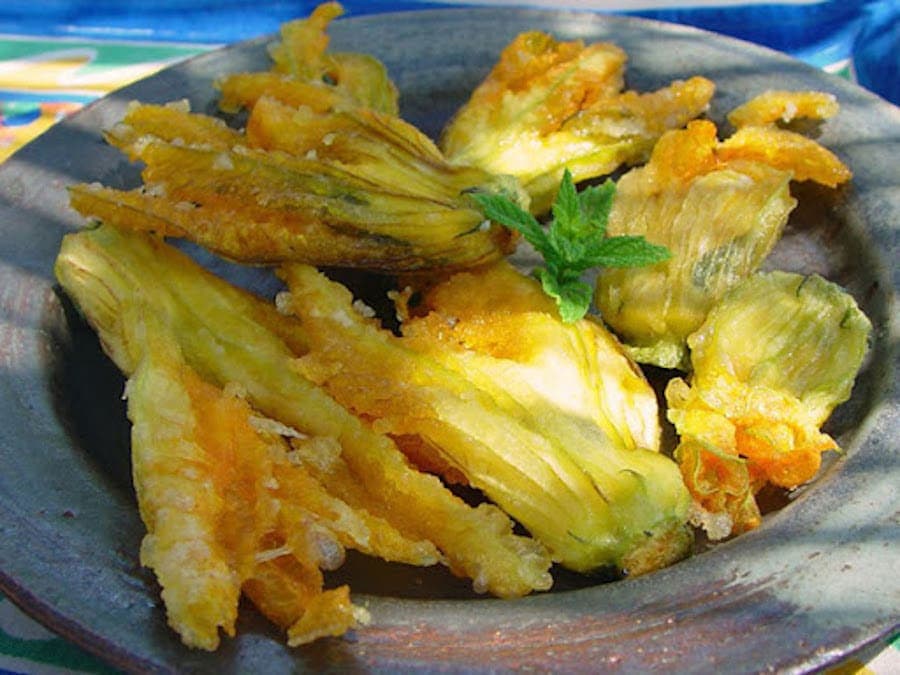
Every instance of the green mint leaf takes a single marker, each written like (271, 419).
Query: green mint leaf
(575, 240)
(595, 202)
(627, 251)
(504, 211)
(573, 297)
(568, 252)
(567, 219)
(570, 232)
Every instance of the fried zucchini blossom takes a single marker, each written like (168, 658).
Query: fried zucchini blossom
(719, 207)
(550, 420)
(324, 173)
(549, 105)
(769, 364)
(249, 477)
(365, 190)
(305, 73)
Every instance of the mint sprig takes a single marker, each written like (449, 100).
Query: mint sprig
(574, 241)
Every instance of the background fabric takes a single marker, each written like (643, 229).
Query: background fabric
(829, 33)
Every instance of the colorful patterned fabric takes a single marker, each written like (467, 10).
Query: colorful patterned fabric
(44, 79)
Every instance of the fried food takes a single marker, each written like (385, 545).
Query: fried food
(200, 585)
(360, 189)
(769, 364)
(719, 207)
(305, 73)
(210, 490)
(758, 135)
(172, 123)
(550, 420)
(370, 497)
(788, 151)
(548, 105)
(269, 438)
(780, 106)
(382, 149)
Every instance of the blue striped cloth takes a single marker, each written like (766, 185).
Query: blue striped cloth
(861, 37)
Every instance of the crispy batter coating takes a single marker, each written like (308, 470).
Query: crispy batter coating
(719, 207)
(181, 506)
(776, 105)
(758, 136)
(770, 363)
(231, 339)
(803, 157)
(171, 122)
(549, 105)
(305, 73)
(207, 488)
(551, 421)
(382, 148)
(358, 189)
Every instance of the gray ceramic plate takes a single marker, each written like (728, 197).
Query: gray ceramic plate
(817, 581)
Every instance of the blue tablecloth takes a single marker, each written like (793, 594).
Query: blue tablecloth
(861, 35)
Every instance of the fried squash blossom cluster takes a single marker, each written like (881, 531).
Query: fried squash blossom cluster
(271, 435)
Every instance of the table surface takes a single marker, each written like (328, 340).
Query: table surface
(50, 66)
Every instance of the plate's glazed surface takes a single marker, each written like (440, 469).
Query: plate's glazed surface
(816, 581)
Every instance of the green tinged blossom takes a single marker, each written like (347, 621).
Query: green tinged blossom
(574, 241)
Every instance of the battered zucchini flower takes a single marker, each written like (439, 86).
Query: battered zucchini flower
(770, 363)
(304, 73)
(549, 105)
(199, 342)
(355, 188)
(719, 207)
(488, 386)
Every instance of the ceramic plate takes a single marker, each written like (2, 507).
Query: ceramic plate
(817, 581)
